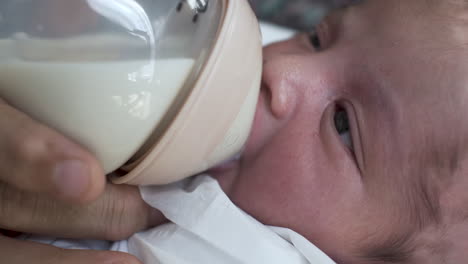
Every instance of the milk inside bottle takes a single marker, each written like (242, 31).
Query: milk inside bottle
(111, 107)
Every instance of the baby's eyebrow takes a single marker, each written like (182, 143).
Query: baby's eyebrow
(424, 210)
(432, 174)
(394, 249)
(427, 205)
(422, 207)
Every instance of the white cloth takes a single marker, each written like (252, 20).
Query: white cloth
(206, 227)
(272, 33)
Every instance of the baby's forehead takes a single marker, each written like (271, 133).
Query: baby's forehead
(429, 49)
(432, 12)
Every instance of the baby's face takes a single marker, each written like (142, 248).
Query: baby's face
(396, 72)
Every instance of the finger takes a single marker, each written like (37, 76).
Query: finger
(117, 214)
(19, 252)
(36, 158)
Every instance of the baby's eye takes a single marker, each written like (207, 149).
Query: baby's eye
(342, 126)
(314, 39)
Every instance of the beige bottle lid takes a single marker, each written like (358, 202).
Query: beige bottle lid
(215, 120)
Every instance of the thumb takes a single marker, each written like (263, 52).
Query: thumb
(37, 159)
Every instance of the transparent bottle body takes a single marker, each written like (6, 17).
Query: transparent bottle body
(109, 74)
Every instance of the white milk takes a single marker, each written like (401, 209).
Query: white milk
(109, 107)
(82, 48)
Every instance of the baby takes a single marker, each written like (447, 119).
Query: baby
(360, 139)
(392, 75)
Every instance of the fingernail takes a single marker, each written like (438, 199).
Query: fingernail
(72, 178)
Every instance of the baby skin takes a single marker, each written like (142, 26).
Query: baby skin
(360, 139)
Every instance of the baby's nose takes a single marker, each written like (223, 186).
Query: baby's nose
(281, 72)
(297, 76)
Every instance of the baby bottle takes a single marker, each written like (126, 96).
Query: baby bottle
(157, 90)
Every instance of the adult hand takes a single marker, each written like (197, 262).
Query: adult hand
(116, 215)
(37, 159)
(51, 186)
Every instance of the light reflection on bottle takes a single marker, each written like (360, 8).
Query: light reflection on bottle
(138, 105)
